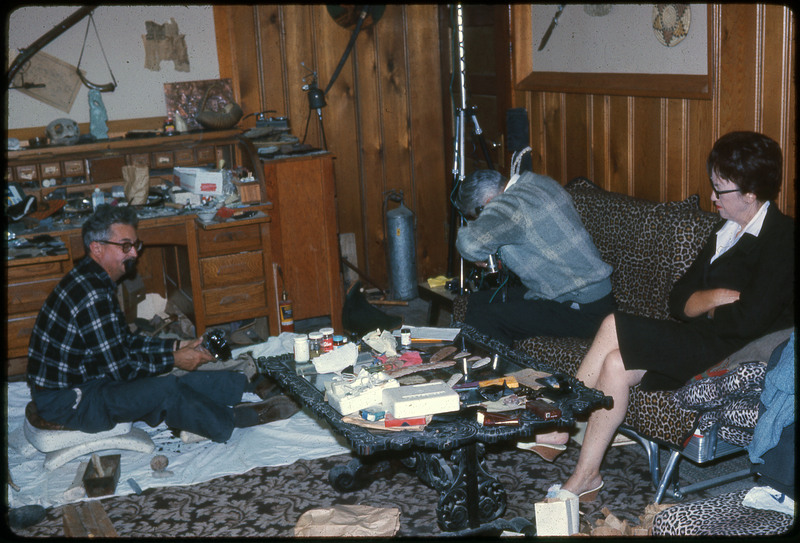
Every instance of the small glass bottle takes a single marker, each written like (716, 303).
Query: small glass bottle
(169, 126)
(326, 345)
(314, 340)
(301, 350)
(97, 198)
(337, 341)
(405, 337)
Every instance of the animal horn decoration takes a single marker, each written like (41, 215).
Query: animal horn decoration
(108, 87)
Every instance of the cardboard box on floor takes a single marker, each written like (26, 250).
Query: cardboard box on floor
(557, 518)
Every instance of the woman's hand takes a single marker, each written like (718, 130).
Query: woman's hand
(191, 355)
(706, 301)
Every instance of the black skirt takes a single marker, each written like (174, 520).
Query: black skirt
(672, 352)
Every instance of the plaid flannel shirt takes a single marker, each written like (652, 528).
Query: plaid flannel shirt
(81, 334)
(538, 234)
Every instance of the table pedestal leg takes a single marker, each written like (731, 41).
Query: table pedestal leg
(469, 496)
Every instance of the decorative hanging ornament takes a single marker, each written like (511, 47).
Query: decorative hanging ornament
(671, 23)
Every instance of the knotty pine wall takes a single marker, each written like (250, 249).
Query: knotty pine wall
(386, 123)
(384, 115)
(656, 148)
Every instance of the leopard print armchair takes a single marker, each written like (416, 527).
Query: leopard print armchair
(650, 245)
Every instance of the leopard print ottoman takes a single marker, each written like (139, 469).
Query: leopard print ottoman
(722, 515)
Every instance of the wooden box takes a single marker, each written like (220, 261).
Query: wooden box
(105, 484)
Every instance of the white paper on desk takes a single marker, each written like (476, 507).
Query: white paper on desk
(337, 359)
(431, 333)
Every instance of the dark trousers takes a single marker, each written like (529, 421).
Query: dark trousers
(198, 402)
(518, 318)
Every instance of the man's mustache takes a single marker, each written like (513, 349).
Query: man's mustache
(130, 266)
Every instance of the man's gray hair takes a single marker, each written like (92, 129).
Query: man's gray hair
(98, 226)
(478, 187)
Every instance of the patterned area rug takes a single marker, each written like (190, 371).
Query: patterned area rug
(267, 502)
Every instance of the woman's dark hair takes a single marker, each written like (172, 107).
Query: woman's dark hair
(97, 226)
(751, 160)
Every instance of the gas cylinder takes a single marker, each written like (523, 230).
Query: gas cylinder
(400, 249)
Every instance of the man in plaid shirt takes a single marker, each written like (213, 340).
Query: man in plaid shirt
(88, 372)
(531, 223)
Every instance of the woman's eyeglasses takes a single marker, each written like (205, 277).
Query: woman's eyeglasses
(125, 245)
(717, 193)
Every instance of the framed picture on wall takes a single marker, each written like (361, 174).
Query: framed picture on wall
(661, 50)
(185, 98)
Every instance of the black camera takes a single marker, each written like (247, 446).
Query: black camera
(217, 344)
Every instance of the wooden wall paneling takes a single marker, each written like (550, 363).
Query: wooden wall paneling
(270, 39)
(597, 168)
(620, 172)
(700, 129)
(552, 131)
(534, 104)
(237, 54)
(674, 159)
(373, 174)
(737, 69)
(776, 100)
(298, 26)
(429, 170)
(647, 148)
(395, 118)
(577, 147)
(341, 124)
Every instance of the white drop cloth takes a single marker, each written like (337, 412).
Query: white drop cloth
(275, 444)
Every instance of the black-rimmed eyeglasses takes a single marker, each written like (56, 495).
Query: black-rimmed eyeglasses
(125, 245)
(717, 193)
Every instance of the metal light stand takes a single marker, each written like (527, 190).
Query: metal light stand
(458, 147)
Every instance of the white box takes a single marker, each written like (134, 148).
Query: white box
(350, 397)
(557, 517)
(423, 399)
(199, 180)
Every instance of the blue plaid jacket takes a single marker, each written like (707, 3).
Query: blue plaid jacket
(537, 232)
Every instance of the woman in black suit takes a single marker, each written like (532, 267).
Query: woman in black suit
(740, 287)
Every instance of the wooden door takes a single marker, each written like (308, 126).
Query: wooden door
(487, 82)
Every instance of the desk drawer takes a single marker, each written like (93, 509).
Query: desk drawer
(19, 335)
(218, 271)
(238, 299)
(25, 297)
(220, 241)
(34, 271)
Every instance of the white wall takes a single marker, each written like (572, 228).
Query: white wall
(139, 92)
(623, 41)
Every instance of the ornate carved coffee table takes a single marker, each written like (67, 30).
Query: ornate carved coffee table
(448, 454)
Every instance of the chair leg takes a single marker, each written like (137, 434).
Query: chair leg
(653, 454)
(674, 458)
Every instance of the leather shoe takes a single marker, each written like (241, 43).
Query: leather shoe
(255, 413)
(547, 451)
(263, 387)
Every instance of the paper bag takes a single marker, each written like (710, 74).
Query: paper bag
(349, 520)
(137, 184)
(557, 517)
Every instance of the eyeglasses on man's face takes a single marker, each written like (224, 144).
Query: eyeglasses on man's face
(125, 245)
